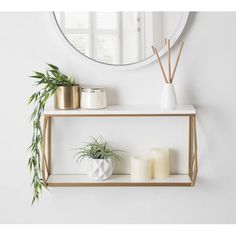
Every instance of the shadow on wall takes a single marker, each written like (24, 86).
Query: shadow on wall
(174, 161)
(113, 96)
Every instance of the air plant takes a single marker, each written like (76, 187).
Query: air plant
(96, 150)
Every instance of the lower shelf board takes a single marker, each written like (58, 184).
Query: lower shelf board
(62, 180)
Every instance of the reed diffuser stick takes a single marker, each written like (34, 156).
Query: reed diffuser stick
(177, 61)
(169, 61)
(159, 61)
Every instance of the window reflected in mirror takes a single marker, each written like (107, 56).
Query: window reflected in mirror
(118, 37)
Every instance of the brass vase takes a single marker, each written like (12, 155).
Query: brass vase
(67, 97)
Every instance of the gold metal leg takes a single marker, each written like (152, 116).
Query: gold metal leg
(193, 162)
(46, 148)
(190, 146)
(195, 169)
(44, 161)
(49, 145)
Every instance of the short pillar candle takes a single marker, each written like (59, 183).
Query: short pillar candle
(141, 168)
(160, 163)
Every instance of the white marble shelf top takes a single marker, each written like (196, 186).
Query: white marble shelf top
(115, 179)
(125, 110)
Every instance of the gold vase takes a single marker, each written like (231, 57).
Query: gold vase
(67, 97)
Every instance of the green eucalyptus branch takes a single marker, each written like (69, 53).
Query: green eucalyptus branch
(49, 81)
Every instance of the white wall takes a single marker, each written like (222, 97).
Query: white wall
(205, 78)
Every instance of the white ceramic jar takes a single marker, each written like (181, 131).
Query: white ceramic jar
(93, 98)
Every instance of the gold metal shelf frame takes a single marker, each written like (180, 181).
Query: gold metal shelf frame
(46, 154)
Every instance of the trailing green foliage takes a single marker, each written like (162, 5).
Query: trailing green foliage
(49, 81)
(96, 150)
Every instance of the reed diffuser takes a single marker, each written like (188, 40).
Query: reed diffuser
(168, 99)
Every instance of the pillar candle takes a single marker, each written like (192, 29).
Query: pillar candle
(160, 162)
(140, 168)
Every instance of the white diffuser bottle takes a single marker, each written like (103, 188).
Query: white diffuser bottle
(168, 98)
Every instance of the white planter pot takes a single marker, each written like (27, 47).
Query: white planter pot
(168, 99)
(100, 169)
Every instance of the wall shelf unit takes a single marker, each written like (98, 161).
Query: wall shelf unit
(67, 180)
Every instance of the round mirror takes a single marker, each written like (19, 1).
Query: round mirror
(120, 38)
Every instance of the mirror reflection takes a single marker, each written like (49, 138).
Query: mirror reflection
(118, 38)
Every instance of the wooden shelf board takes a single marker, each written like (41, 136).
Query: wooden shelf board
(123, 110)
(115, 180)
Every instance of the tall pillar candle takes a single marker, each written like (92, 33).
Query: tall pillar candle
(141, 168)
(160, 163)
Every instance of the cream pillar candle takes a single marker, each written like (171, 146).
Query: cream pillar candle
(160, 162)
(141, 168)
